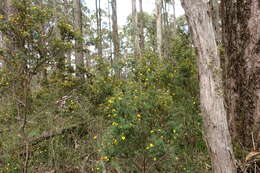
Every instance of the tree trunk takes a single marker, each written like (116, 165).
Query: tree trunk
(99, 31)
(211, 95)
(115, 36)
(214, 9)
(159, 27)
(79, 56)
(141, 27)
(174, 18)
(241, 40)
(6, 12)
(67, 16)
(135, 29)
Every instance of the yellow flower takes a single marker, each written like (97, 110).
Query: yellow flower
(123, 138)
(154, 158)
(138, 116)
(114, 141)
(152, 131)
(174, 131)
(114, 124)
(94, 137)
(104, 158)
(194, 103)
(151, 145)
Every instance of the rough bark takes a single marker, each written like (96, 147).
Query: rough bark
(135, 29)
(159, 27)
(241, 40)
(115, 36)
(211, 95)
(79, 56)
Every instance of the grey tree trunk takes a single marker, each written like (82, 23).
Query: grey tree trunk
(115, 36)
(214, 9)
(135, 29)
(141, 27)
(174, 18)
(211, 92)
(241, 40)
(159, 27)
(79, 56)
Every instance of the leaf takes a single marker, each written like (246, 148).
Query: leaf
(252, 155)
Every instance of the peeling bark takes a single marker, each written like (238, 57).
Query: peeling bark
(216, 130)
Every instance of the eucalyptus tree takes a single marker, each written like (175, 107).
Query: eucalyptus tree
(79, 56)
(214, 113)
(99, 28)
(241, 42)
(135, 29)
(115, 36)
(141, 26)
(159, 4)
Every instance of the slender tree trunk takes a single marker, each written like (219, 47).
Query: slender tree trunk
(135, 29)
(174, 18)
(99, 27)
(211, 95)
(67, 16)
(79, 56)
(141, 27)
(159, 27)
(115, 36)
(241, 40)
(110, 29)
(166, 31)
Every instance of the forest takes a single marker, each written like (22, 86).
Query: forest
(162, 93)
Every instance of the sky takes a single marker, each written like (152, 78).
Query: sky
(124, 8)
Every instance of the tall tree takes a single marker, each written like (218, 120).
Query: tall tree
(135, 29)
(79, 56)
(1, 35)
(159, 4)
(67, 17)
(99, 28)
(141, 26)
(115, 36)
(174, 17)
(211, 97)
(241, 38)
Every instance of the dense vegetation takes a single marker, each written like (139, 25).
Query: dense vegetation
(145, 120)
(128, 114)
